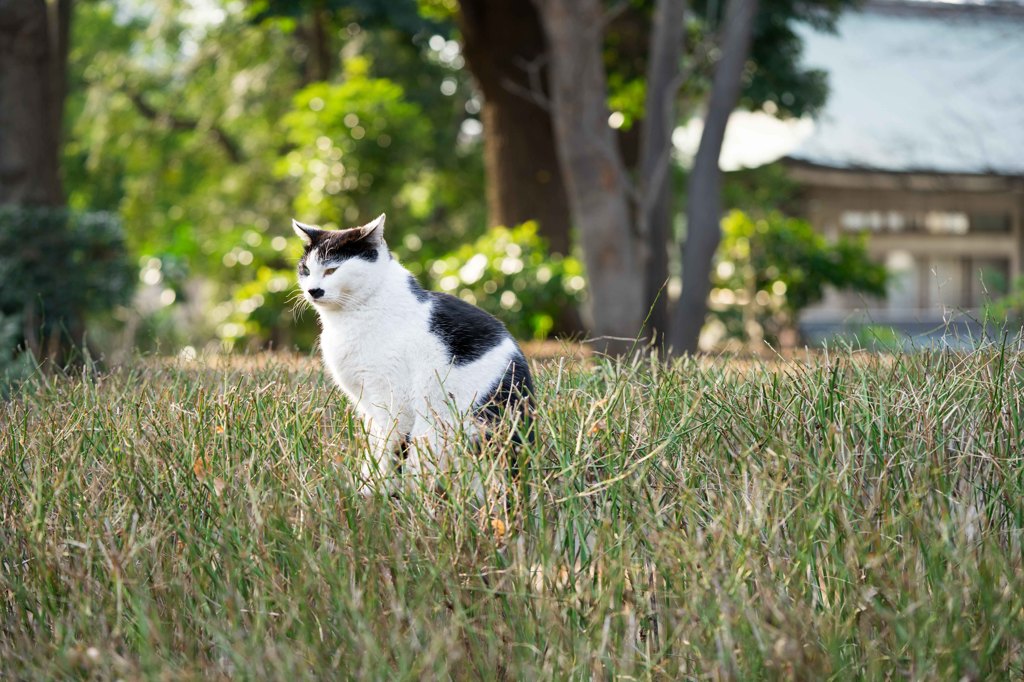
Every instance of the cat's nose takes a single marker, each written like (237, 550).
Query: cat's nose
(316, 293)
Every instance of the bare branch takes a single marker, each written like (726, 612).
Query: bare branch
(664, 78)
(614, 12)
(659, 171)
(175, 122)
(538, 98)
(535, 92)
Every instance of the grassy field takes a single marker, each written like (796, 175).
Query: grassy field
(839, 516)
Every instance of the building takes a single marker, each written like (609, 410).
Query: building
(921, 148)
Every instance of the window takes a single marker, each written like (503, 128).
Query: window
(945, 222)
(904, 279)
(875, 221)
(990, 222)
(929, 222)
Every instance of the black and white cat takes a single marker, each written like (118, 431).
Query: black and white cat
(420, 367)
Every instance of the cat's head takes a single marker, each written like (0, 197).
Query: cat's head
(337, 265)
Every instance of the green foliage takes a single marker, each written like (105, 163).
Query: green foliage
(1009, 308)
(438, 10)
(769, 269)
(58, 268)
(180, 141)
(15, 366)
(840, 517)
(761, 190)
(268, 309)
(175, 128)
(408, 16)
(626, 96)
(355, 142)
(779, 81)
(776, 78)
(509, 273)
(201, 137)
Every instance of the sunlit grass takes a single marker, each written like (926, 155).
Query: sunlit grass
(839, 515)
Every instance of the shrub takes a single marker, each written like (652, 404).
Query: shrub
(59, 268)
(357, 147)
(509, 273)
(769, 269)
(14, 366)
(1008, 309)
(269, 309)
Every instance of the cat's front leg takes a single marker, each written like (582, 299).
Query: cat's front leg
(439, 450)
(377, 468)
(426, 453)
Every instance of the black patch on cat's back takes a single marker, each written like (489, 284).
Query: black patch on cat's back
(513, 393)
(421, 294)
(466, 331)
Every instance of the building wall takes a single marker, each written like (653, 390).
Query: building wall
(951, 242)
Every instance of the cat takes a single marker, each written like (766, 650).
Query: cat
(420, 367)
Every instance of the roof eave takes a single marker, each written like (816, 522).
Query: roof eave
(919, 179)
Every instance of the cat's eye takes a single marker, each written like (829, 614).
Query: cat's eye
(303, 270)
(330, 271)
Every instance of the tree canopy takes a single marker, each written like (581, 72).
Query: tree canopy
(205, 127)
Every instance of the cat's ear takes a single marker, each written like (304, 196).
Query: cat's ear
(307, 233)
(373, 231)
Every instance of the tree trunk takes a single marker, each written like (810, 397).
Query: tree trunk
(704, 210)
(505, 49)
(60, 44)
(33, 80)
(315, 41)
(654, 207)
(320, 45)
(31, 99)
(656, 244)
(592, 167)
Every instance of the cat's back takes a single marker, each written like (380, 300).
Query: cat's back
(467, 332)
(486, 366)
(413, 338)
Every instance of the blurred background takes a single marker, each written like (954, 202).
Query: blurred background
(704, 174)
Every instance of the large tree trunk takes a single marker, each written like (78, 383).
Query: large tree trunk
(31, 99)
(593, 170)
(654, 206)
(704, 209)
(318, 62)
(657, 244)
(505, 49)
(33, 79)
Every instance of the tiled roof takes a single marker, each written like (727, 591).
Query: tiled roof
(915, 86)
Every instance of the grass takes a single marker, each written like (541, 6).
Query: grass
(840, 516)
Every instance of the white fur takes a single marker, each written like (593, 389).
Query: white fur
(378, 348)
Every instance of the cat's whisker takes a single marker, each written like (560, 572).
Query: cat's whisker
(297, 303)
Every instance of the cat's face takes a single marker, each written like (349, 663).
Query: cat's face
(337, 265)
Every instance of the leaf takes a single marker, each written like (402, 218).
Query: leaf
(201, 467)
(498, 528)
